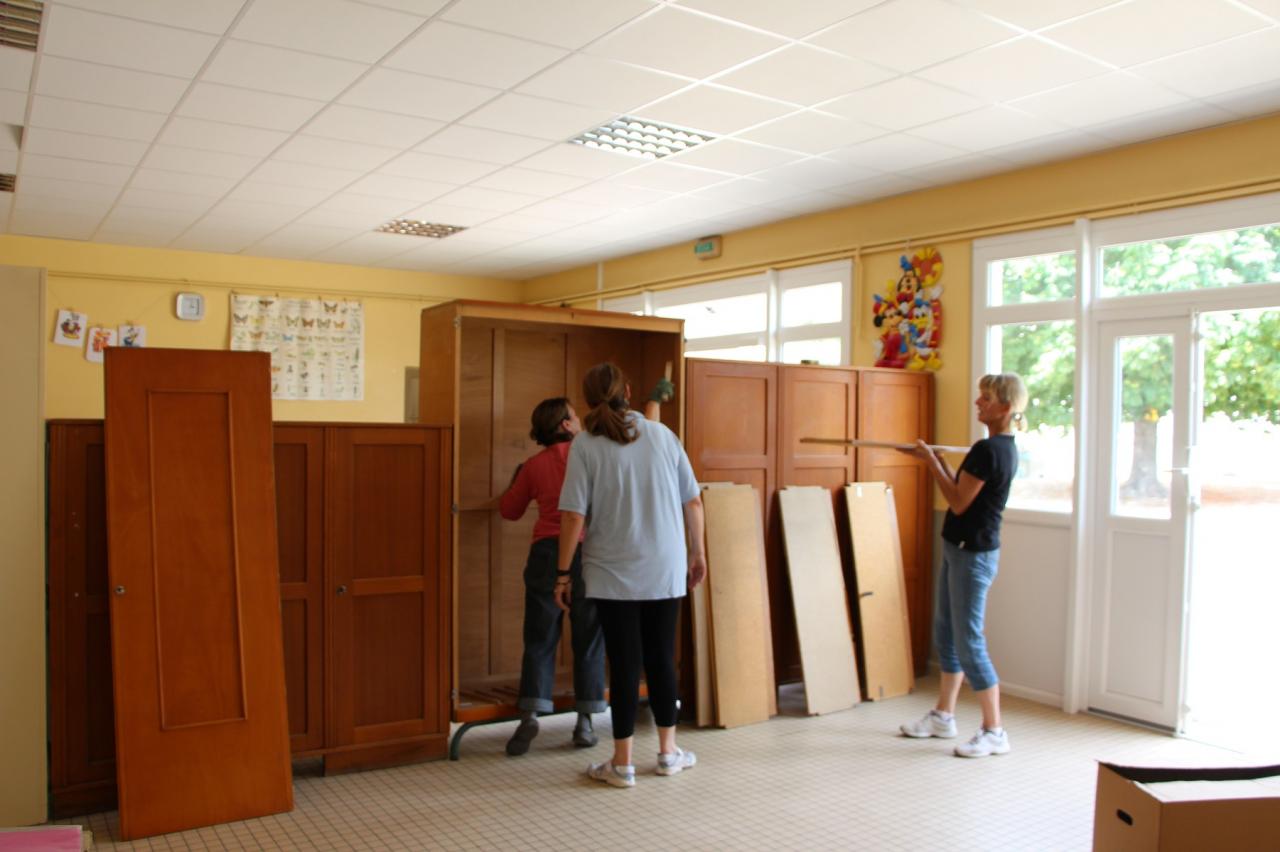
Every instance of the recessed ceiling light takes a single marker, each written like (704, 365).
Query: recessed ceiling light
(20, 23)
(414, 228)
(7, 182)
(641, 137)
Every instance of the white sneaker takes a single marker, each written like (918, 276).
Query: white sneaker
(931, 724)
(673, 764)
(985, 743)
(615, 776)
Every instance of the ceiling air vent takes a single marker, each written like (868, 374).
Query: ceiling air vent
(414, 228)
(641, 137)
(20, 23)
(7, 182)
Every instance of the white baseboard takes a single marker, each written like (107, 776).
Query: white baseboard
(1040, 696)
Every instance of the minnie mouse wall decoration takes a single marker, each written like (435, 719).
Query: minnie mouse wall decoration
(909, 314)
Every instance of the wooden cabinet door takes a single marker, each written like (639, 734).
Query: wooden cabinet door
(387, 575)
(817, 402)
(81, 719)
(897, 405)
(201, 730)
(299, 467)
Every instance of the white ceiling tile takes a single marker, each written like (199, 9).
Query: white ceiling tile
(789, 19)
(988, 73)
(1072, 143)
(160, 200)
(607, 193)
(566, 211)
(964, 168)
(902, 103)
(1035, 15)
(8, 162)
(358, 221)
(537, 117)
(1142, 30)
(216, 239)
(446, 50)
(1098, 99)
(421, 8)
(39, 224)
(526, 224)
(488, 199)
(174, 159)
(84, 81)
(812, 132)
(877, 35)
(79, 170)
(474, 143)
(160, 238)
(714, 110)
(398, 186)
(58, 188)
(530, 181)
(327, 27)
(13, 107)
(253, 189)
(25, 202)
(334, 152)
(371, 127)
(883, 186)
(10, 138)
(751, 191)
(207, 16)
(899, 152)
(990, 127)
(149, 218)
(436, 168)
(599, 82)
(412, 94)
(802, 75)
(255, 214)
(1255, 100)
(15, 68)
(672, 177)
(80, 117)
(188, 184)
(219, 136)
(82, 146)
(810, 202)
(740, 158)
(1270, 8)
(368, 248)
(566, 23)
(450, 214)
(303, 238)
(253, 109)
(569, 159)
(378, 207)
(280, 71)
(816, 173)
(1162, 122)
(302, 174)
(682, 42)
(487, 235)
(88, 36)
(1237, 64)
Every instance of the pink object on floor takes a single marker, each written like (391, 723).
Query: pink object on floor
(45, 838)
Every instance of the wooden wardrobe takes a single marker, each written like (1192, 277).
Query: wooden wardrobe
(484, 367)
(365, 548)
(744, 422)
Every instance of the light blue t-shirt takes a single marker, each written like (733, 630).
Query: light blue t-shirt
(633, 498)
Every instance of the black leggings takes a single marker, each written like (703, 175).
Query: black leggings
(640, 635)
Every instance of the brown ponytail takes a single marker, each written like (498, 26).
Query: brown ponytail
(605, 388)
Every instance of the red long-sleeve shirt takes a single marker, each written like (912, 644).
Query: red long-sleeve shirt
(539, 479)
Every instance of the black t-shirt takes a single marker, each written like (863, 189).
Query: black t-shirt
(994, 460)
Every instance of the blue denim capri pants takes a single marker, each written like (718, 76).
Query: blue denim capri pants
(959, 609)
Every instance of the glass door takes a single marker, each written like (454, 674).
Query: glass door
(1142, 500)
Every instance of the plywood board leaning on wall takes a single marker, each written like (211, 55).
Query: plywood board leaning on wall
(881, 590)
(818, 594)
(741, 647)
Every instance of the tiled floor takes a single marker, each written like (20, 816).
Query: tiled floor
(842, 781)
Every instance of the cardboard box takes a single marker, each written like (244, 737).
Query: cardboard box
(1180, 810)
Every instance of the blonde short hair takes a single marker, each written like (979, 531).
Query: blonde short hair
(1010, 390)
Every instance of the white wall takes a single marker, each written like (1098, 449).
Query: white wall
(23, 776)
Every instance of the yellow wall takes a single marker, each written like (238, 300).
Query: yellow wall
(119, 284)
(22, 651)
(1220, 162)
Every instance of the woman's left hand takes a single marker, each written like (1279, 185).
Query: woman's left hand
(697, 568)
(563, 594)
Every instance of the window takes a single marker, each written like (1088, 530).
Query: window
(1199, 261)
(1025, 324)
(793, 315)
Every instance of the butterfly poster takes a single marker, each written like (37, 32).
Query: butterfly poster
(316, 345)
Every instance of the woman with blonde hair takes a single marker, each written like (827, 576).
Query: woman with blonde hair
(632, 478)
(976, 497)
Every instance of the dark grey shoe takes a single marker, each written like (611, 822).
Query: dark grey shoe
(519, 742)
(584, 736)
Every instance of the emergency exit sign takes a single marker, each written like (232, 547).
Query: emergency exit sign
(707, 247)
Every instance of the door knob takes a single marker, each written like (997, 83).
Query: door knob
(119, 590)
(342, 590)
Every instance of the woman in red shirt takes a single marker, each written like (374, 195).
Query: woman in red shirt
(539, 479)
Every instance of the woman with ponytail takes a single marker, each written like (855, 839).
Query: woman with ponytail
(976, 496)
(632, 477)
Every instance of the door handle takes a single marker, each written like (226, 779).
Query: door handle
(119, 591)
(342, 590)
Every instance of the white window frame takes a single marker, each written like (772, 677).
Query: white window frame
(773, 283)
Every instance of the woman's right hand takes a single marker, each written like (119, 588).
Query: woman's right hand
(697, 568)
